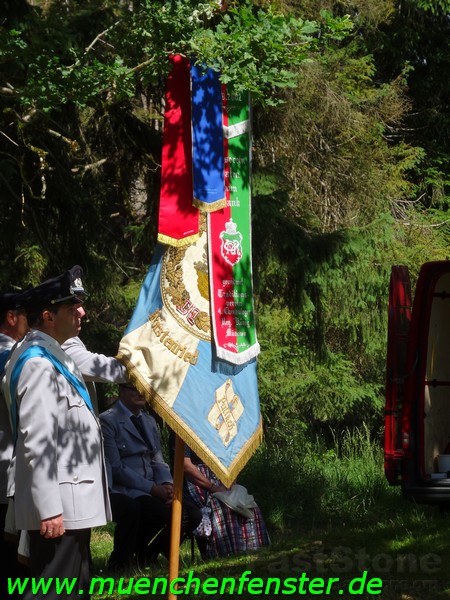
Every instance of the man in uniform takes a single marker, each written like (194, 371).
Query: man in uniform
(13, 326)
(58, 475)
(138, 470)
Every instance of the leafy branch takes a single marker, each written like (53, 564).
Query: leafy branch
(254, 49)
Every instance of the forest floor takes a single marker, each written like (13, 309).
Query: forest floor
(404, 556)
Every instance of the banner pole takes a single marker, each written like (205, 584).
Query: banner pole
(175, 532)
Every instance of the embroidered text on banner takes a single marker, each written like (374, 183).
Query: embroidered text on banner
(229, 244)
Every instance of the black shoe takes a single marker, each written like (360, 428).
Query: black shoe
(117, 564)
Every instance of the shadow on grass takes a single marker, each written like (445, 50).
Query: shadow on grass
(334, 522)
(405, 557)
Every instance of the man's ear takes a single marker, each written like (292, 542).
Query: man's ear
(11, 318)
(47, 316)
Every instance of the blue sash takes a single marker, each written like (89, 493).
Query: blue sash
(39, 351)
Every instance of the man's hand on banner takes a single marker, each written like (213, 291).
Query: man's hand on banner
(163, 491)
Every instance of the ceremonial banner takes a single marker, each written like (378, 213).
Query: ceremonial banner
(207, 139)
(178, 218)
(229, 244)
(167, 348)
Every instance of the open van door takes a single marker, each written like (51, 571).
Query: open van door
(399, 318)
(417, 419)
(426, 409)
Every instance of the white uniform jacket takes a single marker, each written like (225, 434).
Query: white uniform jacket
(58, 465)
(94, 367)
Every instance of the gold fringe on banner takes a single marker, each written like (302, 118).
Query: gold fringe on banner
(169, 241)
(226, 475)
(206, 207)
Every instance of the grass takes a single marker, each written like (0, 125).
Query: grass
(331, 514)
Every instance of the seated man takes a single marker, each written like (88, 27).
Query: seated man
(133, 450)
(126, 512)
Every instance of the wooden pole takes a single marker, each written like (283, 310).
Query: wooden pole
(175, 532)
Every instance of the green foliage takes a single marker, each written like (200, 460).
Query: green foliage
(328, 348)
(253, 48)
(350, 176)
(405, 42)
(331, 217)
(350, 170)
(33, 263)
(12, 43)
(339, 482)
(436, 7)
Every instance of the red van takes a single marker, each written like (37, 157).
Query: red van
(417, 418)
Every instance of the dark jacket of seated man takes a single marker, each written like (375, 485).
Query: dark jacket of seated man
(133, 450)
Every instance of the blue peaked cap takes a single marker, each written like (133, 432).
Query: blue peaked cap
(66, 288)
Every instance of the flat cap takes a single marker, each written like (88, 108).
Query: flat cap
(9, 301)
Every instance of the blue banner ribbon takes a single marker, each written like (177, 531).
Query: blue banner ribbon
(207, 139)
